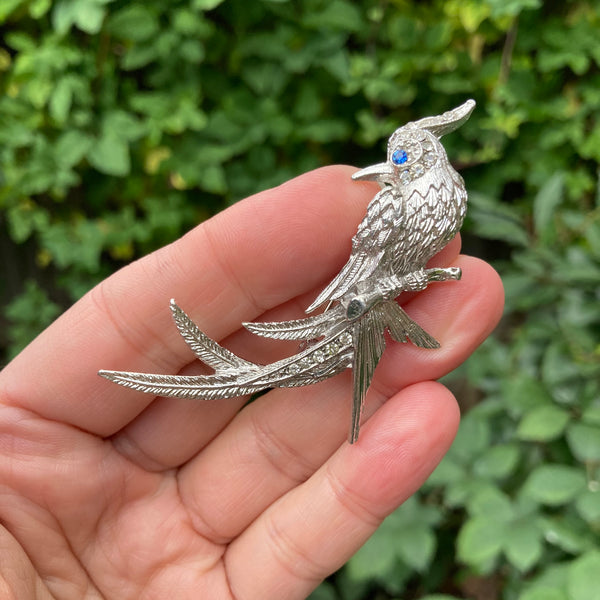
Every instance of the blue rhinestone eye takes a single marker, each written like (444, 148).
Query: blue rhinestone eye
(399, 157)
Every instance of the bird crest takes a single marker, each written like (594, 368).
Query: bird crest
(414, 148)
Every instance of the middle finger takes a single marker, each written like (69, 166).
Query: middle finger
(282, 438)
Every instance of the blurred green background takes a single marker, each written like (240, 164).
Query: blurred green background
(124, 123)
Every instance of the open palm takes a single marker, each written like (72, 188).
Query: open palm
(108, 493)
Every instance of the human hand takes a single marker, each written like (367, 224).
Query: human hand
(109, 493)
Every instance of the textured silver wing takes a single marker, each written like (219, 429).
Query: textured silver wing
(380, 225)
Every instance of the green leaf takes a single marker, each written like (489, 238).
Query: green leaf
(139, 56)
(473, 437)
(87, 15)
(18, 40)
(523, 545)
(584, 441)
(375, 559)
(543, 593)
(60, 100)
(73, 245)
(567, 532)
(543, 424)
(496, 221)
(588, 506)
(110, 155)
(490, 501)
(206, 4)
(29, 313)
(550, 584)
(7, 7)
(38, 8)
(416, 546)
(497, 462)
(511, 8)
(523, 393)
(38, 91)
(554, 484)
(135, 22)
(591, 414)
(471, 13)
(90, 18)
(213, 179)
(556, 367)
(71, 147)
(545, 205)
(584, 577)
(324, 131)
(325, 591)
(439, 597)
(446, 472)
(265, 78)
(459, 493)
(336, 14)
(124, 125)
(25, 218)
(480, 540)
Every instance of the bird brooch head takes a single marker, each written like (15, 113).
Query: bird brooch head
(414, 149)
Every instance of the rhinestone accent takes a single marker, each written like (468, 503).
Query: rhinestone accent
(304, 363)
(345, 339)
(319, 356)
(331, 349)
(405, 177)
(293, 369)
(418, 170)
(429, 159)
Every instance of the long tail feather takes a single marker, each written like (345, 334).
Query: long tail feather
(369, 344)
(300, 329)
(206, 349)
(204, 387)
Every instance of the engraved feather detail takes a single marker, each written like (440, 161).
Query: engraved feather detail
(419, 209)
(299, 329)
(206, 349)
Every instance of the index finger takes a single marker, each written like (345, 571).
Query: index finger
(251, 257)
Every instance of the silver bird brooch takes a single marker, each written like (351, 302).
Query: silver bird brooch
(419, 209)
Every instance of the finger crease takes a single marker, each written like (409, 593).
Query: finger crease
(351, 501)
(294, 559)
(197, 522)
(227, 577)
(281, 456)
(128, 448)
(100, 300)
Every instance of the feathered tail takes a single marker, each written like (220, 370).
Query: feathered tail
(335, 343)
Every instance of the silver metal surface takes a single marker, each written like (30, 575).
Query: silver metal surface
(419, 209)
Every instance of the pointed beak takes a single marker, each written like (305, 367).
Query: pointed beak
(380, 172)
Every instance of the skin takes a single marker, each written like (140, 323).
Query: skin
(109, 493)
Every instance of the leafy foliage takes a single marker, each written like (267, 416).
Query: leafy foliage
(123, 123)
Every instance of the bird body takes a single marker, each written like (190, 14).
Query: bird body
(419, 209)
